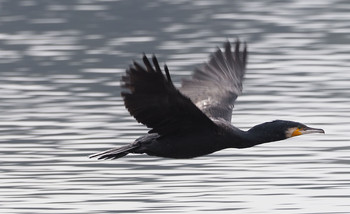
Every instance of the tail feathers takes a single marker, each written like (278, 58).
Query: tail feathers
(115, 152)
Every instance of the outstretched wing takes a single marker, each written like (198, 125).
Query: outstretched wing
(154, 101)
(215, 86)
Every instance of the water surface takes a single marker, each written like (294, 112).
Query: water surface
(60, 65)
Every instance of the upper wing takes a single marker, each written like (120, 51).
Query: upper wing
(215, 86)
(154, 101)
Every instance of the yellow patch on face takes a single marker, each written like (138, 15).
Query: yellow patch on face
(296, 132)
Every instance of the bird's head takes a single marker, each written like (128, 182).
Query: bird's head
(281, 129)
(300, 129)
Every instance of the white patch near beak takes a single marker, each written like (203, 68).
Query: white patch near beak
(290, 131)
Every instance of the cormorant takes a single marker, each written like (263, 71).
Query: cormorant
(195, 119)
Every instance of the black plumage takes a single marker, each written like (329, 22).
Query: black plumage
(195, 119)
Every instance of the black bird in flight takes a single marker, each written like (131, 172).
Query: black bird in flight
(195, 119)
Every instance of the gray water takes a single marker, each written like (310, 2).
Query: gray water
(60, 65)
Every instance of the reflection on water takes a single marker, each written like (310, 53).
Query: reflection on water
(60, 68)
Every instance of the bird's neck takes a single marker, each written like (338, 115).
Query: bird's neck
(256, 136)
(260, 134)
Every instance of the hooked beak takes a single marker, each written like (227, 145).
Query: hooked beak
(307, 130)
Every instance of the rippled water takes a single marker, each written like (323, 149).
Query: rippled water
(60, 65)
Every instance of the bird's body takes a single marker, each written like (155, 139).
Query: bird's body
(188, 145)
(194, 120)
